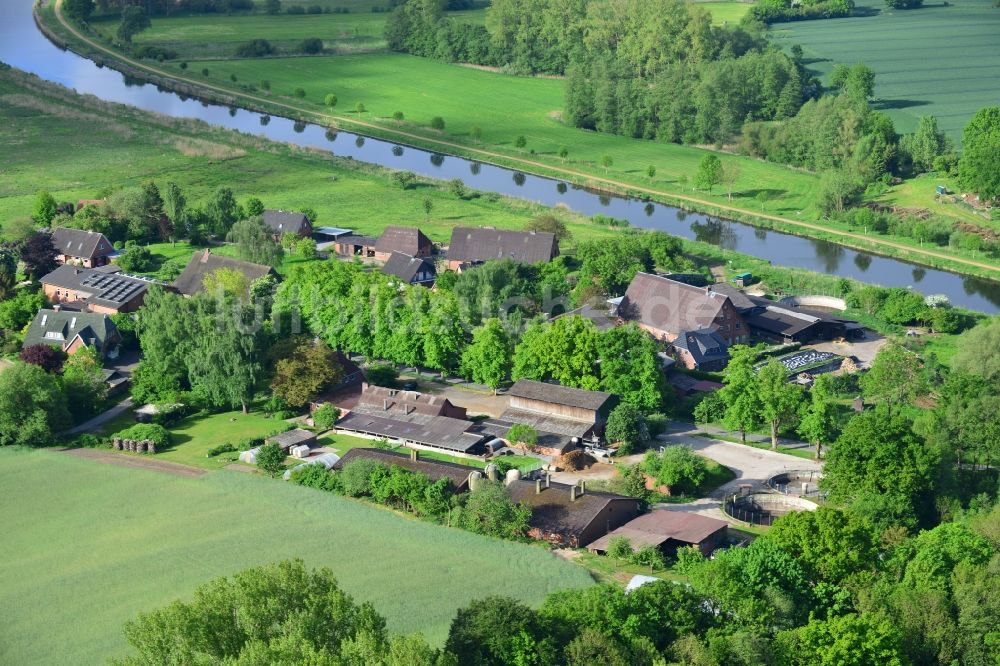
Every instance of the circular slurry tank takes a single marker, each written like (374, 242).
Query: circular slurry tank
(764, 508)
(796, 483)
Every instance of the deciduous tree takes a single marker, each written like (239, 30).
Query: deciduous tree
(740, 391)
(488, 359)
(779, 399)
(32, 406)
(709, 172)
(255, 242)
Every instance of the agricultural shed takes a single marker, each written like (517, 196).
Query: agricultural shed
(405, 240)
(571, 515)
(432, 469)
(378, 399)
(416, 429)
(667, 531)
(292, 438)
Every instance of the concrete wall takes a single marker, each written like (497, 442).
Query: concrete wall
(816, 301)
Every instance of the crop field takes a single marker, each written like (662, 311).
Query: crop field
(125, 540)
(941, 60)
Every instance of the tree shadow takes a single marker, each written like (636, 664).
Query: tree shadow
(772, 194)
(865, 12)
(885, 104)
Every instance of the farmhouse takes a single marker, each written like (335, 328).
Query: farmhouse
(470, 246)
(191, 279)
(409, 269)
(83, 248)
(571, 516)
(71, 330)
(668, 531)
(564, 417)
(667, 309)
(282, 222)
(702, 350)
(432, 469)
(102, 290)
(405, 240)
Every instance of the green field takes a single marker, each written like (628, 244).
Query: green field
(87, 545)
(939, 60)
(39, 120)
(195, 37)
(725, 12)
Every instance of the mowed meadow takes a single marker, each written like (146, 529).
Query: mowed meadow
(88, 545)
(940, 60)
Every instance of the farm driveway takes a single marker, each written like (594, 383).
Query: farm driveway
(863, 350)
(125, 460)
(752, 466)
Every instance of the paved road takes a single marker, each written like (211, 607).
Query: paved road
(751, 466)
(683, 428)
(101, 419)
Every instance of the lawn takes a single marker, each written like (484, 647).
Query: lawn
(125, 540)
(941, 60)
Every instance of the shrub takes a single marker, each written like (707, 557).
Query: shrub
(152, 431)
(87, 441)
(296, 9)
(437, 122)
(357, 476)
(397, 116)
(271, 459)
(311, 46)
(325, 417)
(220, 449)
(383, 375)
(250, 443)
(688, 557)
(649, 556)
(255, 48)
(300, 93)
(204, 71)
(620, 548)
(317, 476)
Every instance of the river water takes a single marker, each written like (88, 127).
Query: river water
(24, 47)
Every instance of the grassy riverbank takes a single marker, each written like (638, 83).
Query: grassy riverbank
(503, 108)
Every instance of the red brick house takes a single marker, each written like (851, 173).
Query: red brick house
(667, 308)
(101, 290)
(82, 248)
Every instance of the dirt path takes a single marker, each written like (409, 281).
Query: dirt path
(493, 156)
(136, 462)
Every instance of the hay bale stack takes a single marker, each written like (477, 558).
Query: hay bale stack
(151, 447)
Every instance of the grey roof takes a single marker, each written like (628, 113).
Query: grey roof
(190, 281)
(782, 320)
(81, 243)
(109, 289)
(668, 305)
(552, 510)
(561, 441)
(287, 440)
(740, 300)
(704, 345)
(52, 327)
(433, 469)
(354, 239)
(408, 240)
(545, 423)
(559, 395)
(285, 222)
(437, 431)
(659, 526)
(406, 267)
(476, 245)
(379, 399)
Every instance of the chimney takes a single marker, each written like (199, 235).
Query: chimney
(56, 307)
(583, 487)
(548, 480)
(385, 404)
(572, 494)
(413, 455)
(538, 486)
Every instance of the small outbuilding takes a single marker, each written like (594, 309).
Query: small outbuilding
(667, 531)
(293, 438)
